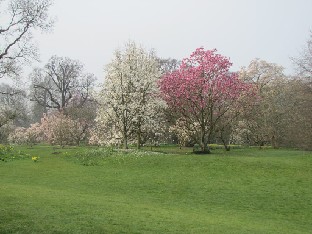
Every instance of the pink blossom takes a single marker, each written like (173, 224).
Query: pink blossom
(203, 88)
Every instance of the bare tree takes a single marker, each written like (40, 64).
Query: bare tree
(168, 65)
(298, 120)
(301, 112)
(18, 22)
(13, 109)
(303, 63)
(263, 120)
(60, 83)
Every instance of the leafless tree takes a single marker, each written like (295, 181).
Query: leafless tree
(61, 83)
(168, 65)
(13, 109)
(263, 120)
(301, 94)
(19, 19)
(303, 63)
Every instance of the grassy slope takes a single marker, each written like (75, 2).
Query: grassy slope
(243, 191)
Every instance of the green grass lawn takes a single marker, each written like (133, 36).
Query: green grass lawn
(241, 191)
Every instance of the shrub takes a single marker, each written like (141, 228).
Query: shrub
(8, 153)
(92, 157)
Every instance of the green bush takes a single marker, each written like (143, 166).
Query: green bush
(92, 157)
(235, 146)
(215, 146)
(96, 157)
(8, 153)
(196, 148)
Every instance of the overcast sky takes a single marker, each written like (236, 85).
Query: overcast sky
(91, 30)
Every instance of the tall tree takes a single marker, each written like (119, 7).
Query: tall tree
(60, 82)
(129, 98)
(303, 63)
(301, 131)
(264, 121)
(297, 121)
(19, 19)
(202, 91)
(166, 133)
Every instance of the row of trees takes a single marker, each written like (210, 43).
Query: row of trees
(199, 100)
(145, 99)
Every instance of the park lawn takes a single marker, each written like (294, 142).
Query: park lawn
(241, 191)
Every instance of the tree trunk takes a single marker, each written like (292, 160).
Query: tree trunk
(125, 138)
(124, 133)
(226, 146)
(273, 142)
(125, 141)
(45, 97)
(203, 142)
(139, 139)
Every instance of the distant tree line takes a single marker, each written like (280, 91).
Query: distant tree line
(145, 99)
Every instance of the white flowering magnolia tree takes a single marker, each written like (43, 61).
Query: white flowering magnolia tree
(129, 100)
(186, 132)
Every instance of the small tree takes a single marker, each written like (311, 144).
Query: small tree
(18, 136)
(60, 129)
(29, 136)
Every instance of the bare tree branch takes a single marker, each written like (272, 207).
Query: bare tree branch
(16, 48)
(61, 83)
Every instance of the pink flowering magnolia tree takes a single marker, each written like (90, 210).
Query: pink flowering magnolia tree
(60, 129)
(204, 93)
(55, 128)
(30, 136)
